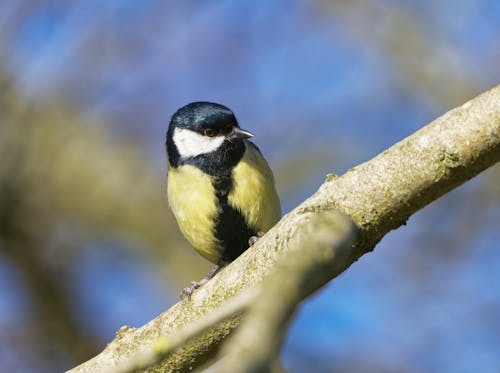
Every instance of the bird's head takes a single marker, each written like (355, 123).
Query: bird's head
(202, 128)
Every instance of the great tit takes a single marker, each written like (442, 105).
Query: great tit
(220, 188)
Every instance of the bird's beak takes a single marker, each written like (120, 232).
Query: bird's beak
(238, 134)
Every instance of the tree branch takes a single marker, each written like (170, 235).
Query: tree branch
(379, 195)
(151, 355)
(318, 254)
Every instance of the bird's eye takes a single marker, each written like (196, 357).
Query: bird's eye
(209, 132)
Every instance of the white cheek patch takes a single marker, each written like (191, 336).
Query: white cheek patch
(190, 143)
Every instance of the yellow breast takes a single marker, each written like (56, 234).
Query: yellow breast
(191, 197)
(253, 192)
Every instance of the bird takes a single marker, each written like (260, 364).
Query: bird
(220, 188)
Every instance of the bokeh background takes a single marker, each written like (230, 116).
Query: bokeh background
(87, 243)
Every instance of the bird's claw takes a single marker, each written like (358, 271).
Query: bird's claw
(252, 240)
(188, 291)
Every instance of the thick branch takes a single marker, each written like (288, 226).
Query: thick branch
(378, 195)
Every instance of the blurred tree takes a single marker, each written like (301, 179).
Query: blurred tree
(64, 183)
(401, 33)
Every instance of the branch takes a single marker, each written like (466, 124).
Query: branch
(317, 255)
(151, 355)
(379, 195)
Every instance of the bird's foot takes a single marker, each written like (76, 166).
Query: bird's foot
(187, 292)
(252, 240)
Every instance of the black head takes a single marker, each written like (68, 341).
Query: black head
(202, 132)
(198, 116)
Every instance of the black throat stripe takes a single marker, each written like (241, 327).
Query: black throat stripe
(231, 228)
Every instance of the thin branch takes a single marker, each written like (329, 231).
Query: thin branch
(165, 345)
(379, 195)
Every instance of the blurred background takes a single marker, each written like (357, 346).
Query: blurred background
(87, 243)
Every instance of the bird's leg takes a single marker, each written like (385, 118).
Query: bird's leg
(186, 292)
(252, 240)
